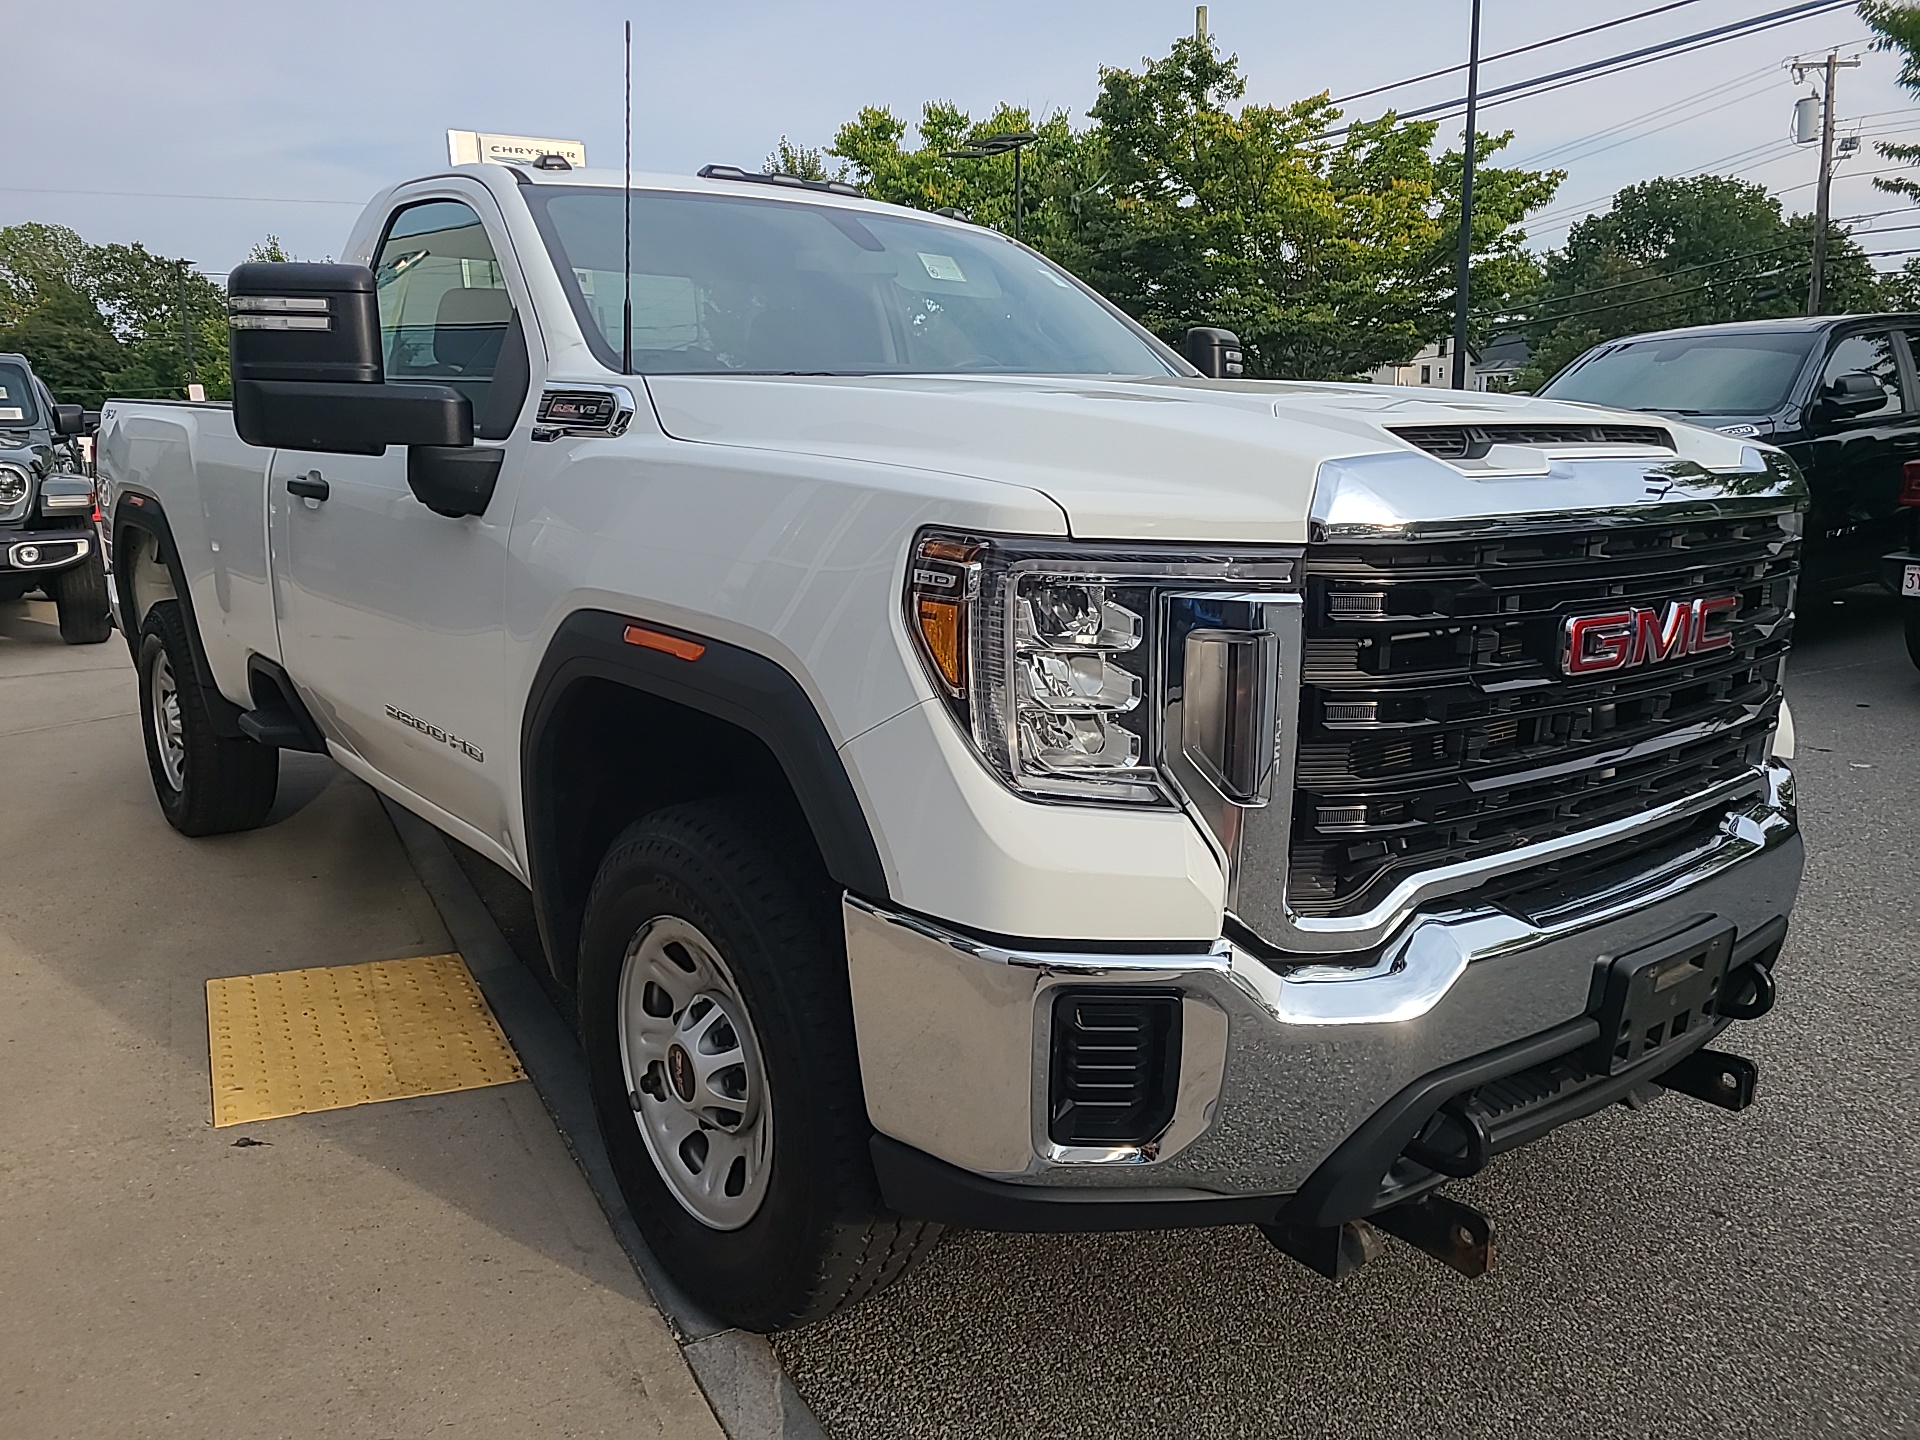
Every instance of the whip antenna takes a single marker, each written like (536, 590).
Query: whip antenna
(626, 239)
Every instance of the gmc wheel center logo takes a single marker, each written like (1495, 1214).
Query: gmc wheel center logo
(1622, 639)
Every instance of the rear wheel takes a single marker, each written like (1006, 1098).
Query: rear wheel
(719, 1036)
(207, 783)
(1910, 612)
(80, 594)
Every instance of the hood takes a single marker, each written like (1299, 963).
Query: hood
(1146, 459)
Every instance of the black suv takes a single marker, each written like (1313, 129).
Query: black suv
(48, 538)
(1839, 393)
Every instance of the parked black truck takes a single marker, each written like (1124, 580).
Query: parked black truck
(1839, 393)
(48, 537)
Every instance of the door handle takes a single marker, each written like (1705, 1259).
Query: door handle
(309, 486)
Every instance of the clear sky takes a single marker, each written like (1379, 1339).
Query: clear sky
(212, 123)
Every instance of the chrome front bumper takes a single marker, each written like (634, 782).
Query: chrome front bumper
(1279, 1064)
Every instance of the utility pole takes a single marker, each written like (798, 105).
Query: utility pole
(1200, 23)
(1464, 273)
(1832, 65)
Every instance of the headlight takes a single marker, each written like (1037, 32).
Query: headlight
(14, 485)
(1060, 660)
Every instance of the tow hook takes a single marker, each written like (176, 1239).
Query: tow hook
(1715, 1077)
(1455, 1234)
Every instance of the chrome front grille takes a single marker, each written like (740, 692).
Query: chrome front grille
(1435, 722)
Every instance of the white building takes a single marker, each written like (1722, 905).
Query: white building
(1433, 366)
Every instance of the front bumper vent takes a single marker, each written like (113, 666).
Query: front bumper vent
(1116, 1066)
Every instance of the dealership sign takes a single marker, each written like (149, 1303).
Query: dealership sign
(476, 147)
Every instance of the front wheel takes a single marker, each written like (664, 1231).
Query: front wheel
(207, 783)
(80, 596)
(719, 1036)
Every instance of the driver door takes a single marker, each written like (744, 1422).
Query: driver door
(391, 616)
(1854, 513)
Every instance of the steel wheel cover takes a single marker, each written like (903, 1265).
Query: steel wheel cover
(694, 1073)
(169, 737)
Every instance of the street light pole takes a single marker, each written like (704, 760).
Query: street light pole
(186, 326)
(1463, 273)
(1014, 140)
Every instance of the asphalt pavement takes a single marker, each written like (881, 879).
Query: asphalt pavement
(1677, 1273)
(439, 1263)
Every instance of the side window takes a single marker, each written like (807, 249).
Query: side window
(444, 309)
(1870, 354)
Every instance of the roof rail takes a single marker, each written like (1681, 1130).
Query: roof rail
(734, 172)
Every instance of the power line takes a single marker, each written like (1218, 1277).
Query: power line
(1617, 64)
(1560, 216)
(1684, 118)
(171, 195)
(1766, 74)
(1529, 315)
(1650, 301)
(1507, 54)
(1643, 280)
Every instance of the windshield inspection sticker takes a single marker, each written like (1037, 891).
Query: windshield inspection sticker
(942, 267)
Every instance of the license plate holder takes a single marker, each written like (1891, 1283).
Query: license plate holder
(1650, 998)
(1910, 580)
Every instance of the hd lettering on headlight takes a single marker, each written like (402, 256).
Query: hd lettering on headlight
(1055, 659)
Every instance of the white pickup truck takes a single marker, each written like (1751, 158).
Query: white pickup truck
(970, 765)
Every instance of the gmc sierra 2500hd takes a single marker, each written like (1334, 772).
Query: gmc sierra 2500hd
(971, 766)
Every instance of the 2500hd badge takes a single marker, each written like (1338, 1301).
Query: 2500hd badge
(434, 732)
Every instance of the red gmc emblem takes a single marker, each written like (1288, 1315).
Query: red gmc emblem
(1621, 639)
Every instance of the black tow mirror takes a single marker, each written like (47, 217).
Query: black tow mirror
(1854, 393)
(69, 420)
(307, 372)
(1216, 353)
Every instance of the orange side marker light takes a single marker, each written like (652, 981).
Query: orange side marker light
(666, 644)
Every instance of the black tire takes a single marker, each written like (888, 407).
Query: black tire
(1910, 613)
(819, 1239)
(80, 594)
(223, 783)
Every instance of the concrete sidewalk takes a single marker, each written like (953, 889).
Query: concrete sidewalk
(423, 1266)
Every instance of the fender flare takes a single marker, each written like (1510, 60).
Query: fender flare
(726, 681)
(138, 511)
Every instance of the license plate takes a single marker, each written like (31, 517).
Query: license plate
(1910, 580)
(1651, 998)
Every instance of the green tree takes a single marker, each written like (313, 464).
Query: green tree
(1329, 257)
(804, 161)
(166, 322)
(1674, 252)
(68, 343)
(1897, 27)
(928, 177)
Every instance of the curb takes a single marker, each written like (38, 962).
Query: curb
(750, 1394)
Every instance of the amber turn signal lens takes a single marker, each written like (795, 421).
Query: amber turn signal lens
(940, 633)
(666, 644)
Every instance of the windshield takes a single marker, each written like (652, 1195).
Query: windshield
(17, 410)
(1728, 374)
(731, 284)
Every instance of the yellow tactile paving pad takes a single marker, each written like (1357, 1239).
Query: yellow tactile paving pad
(301, 1040)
